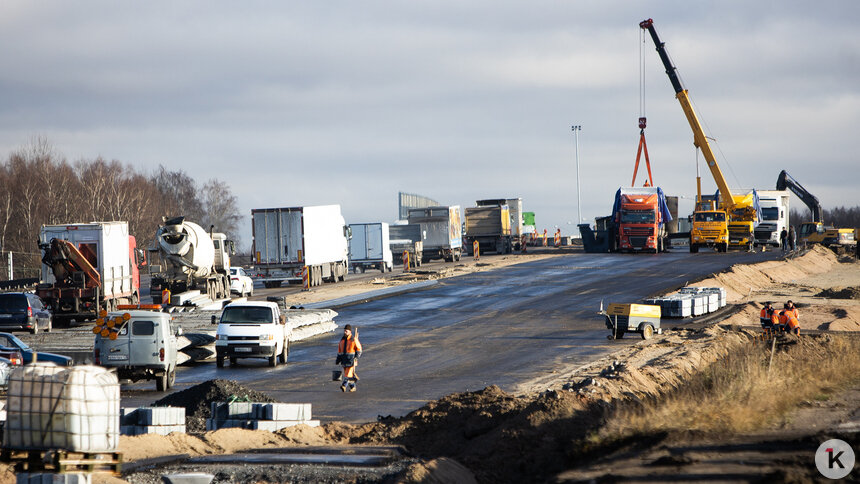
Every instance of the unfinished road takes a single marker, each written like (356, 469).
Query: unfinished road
(503, 327)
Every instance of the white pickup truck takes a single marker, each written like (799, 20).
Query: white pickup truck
(252, 330)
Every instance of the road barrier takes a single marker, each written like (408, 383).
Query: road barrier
(305, 285)
(476, 250)
(406, 261)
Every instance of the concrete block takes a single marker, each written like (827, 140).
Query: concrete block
(161, 416)
(128, 415)
(215, 424)
(234, 410)
(275, 425)
(188, 478)
(159, 429)
(285, 411)
(48, 478)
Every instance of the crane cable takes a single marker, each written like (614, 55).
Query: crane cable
(643, 146)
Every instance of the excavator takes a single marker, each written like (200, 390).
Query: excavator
(815, 232)
(732, 223)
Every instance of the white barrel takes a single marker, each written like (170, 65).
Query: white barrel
(57, 407)
(190, 242)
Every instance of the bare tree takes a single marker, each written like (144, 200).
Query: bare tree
(221, 209)
(179, 195)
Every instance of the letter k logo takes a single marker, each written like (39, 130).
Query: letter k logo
(834, 459)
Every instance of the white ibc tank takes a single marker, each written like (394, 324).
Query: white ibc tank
(189, 247)
(52, 407)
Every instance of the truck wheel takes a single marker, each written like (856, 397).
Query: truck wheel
(233, 361)
(694, 248)
(161, 381)
(647, 331)
(219, 361)
(171, 377)
(285, 353)
(273, 360)
(619, 333)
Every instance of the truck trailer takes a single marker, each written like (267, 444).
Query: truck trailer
(369, 247)
(87, 267)
(490, 226)
(515, 209)
(288, 239)
(443, 231)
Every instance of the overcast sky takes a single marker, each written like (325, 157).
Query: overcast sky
(309, 103)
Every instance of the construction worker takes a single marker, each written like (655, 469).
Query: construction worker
(766, 316)
(792, 325)
(793, 309)
(792, 238)
(783, 239)
(783, 317)
(348, 352)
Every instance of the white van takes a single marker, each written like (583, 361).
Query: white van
(252, 330)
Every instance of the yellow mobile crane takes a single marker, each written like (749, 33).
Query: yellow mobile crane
(732, 223)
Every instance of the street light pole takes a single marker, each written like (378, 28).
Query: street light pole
(576, 129)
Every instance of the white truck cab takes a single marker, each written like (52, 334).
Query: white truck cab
(139, 344)
(252, 330)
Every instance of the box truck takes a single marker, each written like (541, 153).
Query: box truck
(407, 238)
(515, 209)
(369, 247)
(774, 216)
(87, 267)
(288, 239)
(442, 231)
(490, 226)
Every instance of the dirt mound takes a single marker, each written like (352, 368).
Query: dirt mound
(197, 399)
(840, 293)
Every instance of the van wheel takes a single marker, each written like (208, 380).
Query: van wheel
(285, 353)
(50, 326)
(219, 361)
(647, 331)
(161, 381)
(171, 377)
(273, 361)
(35, 329)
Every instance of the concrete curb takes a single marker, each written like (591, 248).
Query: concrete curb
(370, 295)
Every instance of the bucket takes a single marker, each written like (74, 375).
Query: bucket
(335, 375)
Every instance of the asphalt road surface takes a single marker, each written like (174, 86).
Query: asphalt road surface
(504, 327)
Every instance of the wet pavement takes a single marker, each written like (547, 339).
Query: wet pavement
(502, 327)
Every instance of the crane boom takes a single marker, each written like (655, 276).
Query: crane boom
(784, 180)
(699, 138)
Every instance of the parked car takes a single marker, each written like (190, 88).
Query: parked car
(23, 310)
(240, 283)
(13, 355)
(8, 340)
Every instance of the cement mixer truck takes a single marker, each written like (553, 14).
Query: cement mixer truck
(190, 259)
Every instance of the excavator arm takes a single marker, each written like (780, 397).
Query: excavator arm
(785, 181)
(699, 138)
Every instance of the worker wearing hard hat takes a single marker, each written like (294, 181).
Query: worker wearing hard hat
(348, 351)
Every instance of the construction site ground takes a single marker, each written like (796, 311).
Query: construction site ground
(549, 429)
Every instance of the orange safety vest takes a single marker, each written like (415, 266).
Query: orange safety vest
(783, 317)
(774, 318)
(346, 349)
(793, 323)
(795, 312)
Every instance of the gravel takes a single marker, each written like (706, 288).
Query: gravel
(197, 399)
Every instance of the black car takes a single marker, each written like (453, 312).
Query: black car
(10, 341)
(22, 310)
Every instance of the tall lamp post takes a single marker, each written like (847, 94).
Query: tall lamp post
(576, 129)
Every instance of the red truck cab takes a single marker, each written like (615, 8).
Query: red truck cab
(639, 218)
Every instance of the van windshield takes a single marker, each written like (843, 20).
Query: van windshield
(247, 315)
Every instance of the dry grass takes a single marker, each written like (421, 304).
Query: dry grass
(738, 393)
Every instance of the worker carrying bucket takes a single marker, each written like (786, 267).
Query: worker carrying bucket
(348, 352)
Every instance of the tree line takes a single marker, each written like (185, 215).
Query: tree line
(39, 187)
(842, 217)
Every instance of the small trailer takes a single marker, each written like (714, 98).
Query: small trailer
(369, 247)
(632, 318)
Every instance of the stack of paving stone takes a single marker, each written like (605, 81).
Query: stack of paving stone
(151, 420)
(50, 478)
(259, 416)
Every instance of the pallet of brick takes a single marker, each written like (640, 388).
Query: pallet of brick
(674, 306)
(699, 304)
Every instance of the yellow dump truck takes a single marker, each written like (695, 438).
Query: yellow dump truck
(632, 318)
